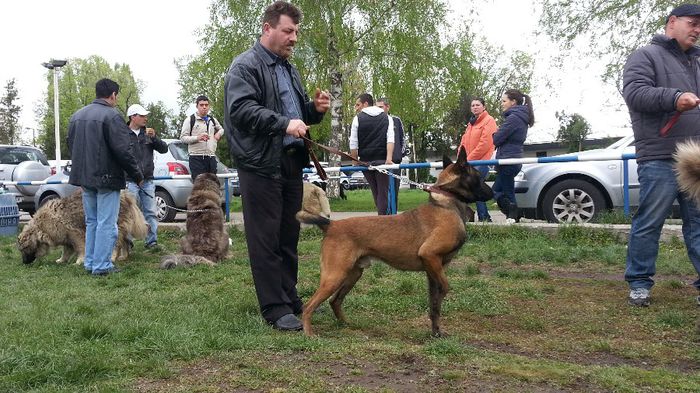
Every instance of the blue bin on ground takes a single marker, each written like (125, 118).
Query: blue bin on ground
(9, 215)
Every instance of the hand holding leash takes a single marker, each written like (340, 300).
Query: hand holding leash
(686, 102)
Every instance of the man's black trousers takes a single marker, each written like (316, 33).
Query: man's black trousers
(272, 234)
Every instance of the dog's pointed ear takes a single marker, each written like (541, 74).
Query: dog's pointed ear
(446, 161)
(462, 158)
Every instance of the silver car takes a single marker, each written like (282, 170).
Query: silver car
(170, 192)
(577, 191)
(23, 163)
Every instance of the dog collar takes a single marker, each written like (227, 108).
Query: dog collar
(439, 190)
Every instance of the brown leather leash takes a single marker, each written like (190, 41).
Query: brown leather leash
(671, 122)
(309, 142)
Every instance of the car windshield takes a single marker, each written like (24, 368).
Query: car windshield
(179, 151)
(15, 156)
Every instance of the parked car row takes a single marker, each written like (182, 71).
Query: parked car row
(168, 192)
(349, 181)
(556, 192)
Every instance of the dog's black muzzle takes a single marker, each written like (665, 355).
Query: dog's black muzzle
(28, 258)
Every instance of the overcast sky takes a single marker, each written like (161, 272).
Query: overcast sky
(150, 34)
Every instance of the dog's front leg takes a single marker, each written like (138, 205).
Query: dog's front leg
(438, 287)
(66, 254)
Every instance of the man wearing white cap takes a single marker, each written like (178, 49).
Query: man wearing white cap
(144, 142)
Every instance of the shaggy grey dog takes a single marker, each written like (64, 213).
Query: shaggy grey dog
(61, 222)
(206, 241)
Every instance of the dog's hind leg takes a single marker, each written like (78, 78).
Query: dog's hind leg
(348, 284)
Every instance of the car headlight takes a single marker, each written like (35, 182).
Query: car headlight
(520, 176)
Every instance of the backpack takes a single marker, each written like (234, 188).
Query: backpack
(192, 120)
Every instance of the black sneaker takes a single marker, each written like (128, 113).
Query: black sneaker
(107, 272)
(152, 247)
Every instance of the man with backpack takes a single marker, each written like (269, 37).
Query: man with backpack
(201, 132)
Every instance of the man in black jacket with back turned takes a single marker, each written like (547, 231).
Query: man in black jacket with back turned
(267, 111)
(101, 151)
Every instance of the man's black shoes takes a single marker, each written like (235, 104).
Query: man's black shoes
(288, 323)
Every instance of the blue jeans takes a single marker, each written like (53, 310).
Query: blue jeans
(504, 186)
(147, 203)
(657, 191)
(101, 211)
(482, 209)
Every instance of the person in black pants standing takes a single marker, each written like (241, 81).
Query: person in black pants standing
(267, 111)
(372, 141)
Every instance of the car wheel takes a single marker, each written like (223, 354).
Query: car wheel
(345, 185)
(47, 198)
(572, 201)
(163, 213)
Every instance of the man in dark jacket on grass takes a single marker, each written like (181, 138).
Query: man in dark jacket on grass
(100, 153)
(267, 111)
(659, 80)
(145, 141)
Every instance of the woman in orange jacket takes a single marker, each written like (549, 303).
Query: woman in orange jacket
(477, 141)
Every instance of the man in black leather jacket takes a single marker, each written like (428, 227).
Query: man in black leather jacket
(267, 111)
(101, 151)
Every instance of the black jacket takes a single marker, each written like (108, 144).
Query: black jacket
(398, 140)
(652, 78)
(253, 122)
(510, 137)
(100, 148)
(371, 136)
(144, 146)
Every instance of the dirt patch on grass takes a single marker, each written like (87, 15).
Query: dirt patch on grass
(403, 373)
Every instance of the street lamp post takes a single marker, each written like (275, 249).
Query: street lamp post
(55, 65)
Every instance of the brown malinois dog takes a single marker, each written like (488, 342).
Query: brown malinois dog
(423, 239)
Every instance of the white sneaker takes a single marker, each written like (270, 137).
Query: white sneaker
(639, 297)
(510, 221)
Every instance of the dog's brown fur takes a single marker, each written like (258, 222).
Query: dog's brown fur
(61, 222)
(423, 239)
(315, 203)
(687, 158)
(206, 241)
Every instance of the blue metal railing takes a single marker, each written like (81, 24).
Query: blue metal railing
(624, 157)
(509, 161)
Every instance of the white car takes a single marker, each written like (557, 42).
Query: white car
(577, 191)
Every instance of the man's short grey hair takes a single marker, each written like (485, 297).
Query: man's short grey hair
(384, 100)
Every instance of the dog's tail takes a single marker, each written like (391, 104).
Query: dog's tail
(687, 158)
(137, 228)
(314, 219)
(173, 261)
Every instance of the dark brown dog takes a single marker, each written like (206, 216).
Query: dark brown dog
(423, 239)
(206, 241)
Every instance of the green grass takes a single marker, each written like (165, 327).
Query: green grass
(527, 311)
